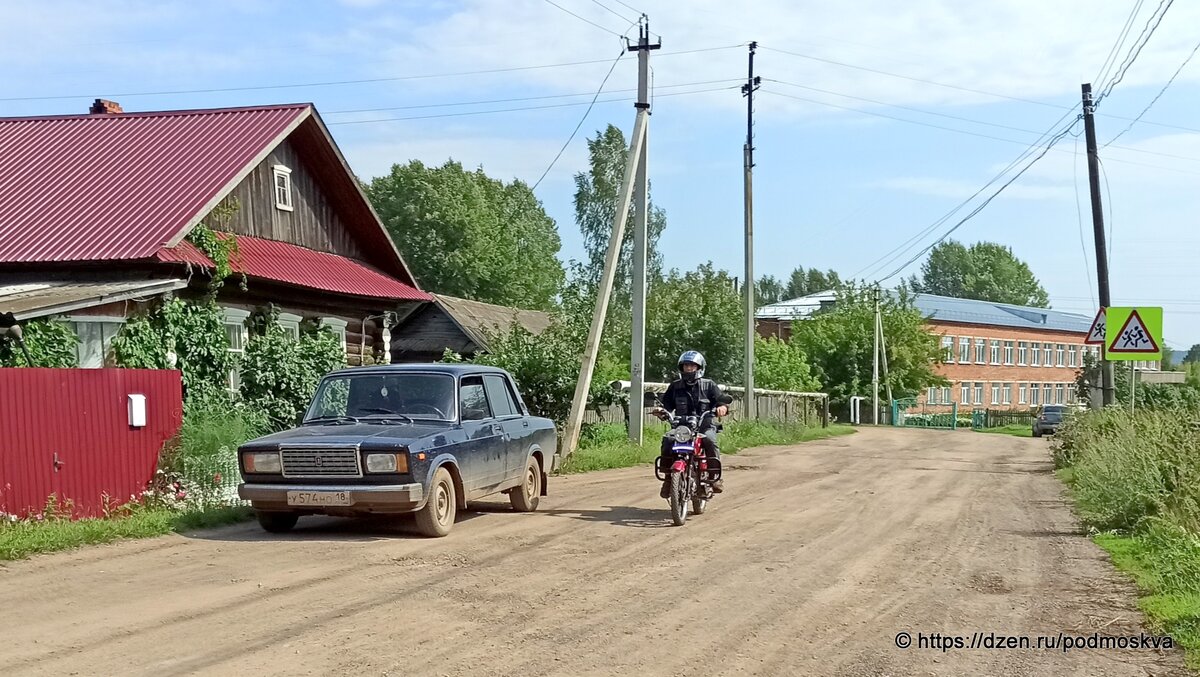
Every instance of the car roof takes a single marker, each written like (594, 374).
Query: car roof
(450, 368)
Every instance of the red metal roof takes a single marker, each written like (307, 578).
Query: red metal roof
(121, 186)
(292, 264)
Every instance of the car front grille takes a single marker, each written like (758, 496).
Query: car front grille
(327, 462)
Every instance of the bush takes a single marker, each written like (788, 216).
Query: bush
(279, 374)
(50, 343)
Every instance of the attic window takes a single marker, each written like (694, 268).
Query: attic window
(283, 187)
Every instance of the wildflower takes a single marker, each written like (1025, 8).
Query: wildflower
(181, 495)
(217, 478)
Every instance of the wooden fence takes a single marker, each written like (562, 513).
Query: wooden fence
(770, 405)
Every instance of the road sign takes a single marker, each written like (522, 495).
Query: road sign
(1134, 333)
(1095, 335)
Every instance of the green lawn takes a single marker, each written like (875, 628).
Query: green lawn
(1016, 430)
(606, 446)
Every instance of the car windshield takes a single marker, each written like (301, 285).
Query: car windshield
(1053, 413)
(405, 396)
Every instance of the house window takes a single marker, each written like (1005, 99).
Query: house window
(338, 326)
(1047, 354)
(1006, 393)
(995, 351)
(95, 338)
(931, 396)
(947, 395)
(1059, 393)
(1008, 352)
(995, 393)
(966, 393)
(1021, 399)
(1023, 353)
(283, 187)
(1070, 394)
(1073, 356)
(1034, 399)
(1035, 359)
(1047, 393)
(239, 335)
(978, 393)
(1061, 356)
(291, 325)
(980, 351)
(947, 348)
(964, 350)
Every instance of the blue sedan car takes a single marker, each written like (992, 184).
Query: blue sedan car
(413, 438)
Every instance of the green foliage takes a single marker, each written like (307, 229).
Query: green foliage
(812, 281)
(596, 193)
(217, 245)
(279, 374)
(468, 235)
(1132, 468)
(769, 290)
(51, 343)
(839, 344)
(193, 330)
(696, 310)
(781, 365)
(1156, 396)
(986, 272)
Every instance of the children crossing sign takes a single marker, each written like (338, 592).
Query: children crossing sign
(1095, 335)
(1133, 333)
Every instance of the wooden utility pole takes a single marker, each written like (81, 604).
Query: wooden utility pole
(641, 202)
(1089, 126)
(748, 90)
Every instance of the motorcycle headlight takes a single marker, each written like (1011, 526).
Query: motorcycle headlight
(681, 434)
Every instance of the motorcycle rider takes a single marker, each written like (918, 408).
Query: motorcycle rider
(692, 395)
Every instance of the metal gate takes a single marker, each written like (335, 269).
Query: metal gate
(908, 413)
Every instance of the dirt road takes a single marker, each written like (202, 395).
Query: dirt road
(812, 562)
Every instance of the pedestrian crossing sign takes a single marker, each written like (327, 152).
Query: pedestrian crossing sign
(1134, 333)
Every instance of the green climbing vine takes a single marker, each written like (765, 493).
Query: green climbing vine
(51, 343)
(185, 335)
(217, 244)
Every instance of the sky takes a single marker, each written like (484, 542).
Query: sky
(874, 119)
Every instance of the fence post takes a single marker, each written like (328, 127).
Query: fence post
(824, 411)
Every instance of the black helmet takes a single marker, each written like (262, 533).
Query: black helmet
(695, 358)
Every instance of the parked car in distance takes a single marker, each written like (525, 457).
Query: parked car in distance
(412, 438)
(1049, 418)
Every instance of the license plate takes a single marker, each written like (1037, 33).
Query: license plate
(318, 498)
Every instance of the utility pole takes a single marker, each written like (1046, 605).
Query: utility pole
(748, 90)
(875, 369)
(632, 162)
(1089, 127)
(887, 383)
(641, 201)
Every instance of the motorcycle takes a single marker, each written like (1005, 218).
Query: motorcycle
(690, 472)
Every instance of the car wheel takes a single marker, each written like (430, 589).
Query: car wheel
(524, 498)
(277, 522)
(437, 517)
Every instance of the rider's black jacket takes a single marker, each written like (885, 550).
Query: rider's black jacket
(691, 400)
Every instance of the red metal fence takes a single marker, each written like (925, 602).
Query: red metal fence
(69, 433)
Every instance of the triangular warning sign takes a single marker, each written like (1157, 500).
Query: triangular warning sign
(1133, 337)
(1095, 335)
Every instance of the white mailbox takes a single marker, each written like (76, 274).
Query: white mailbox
(137, 410)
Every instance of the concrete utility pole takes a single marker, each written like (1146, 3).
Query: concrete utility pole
(633, 162)
(641, 201)
(1089, 127)
(875, 369)
(748, 90)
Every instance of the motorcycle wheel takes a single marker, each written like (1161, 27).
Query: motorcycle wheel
(699, 500)
(679, 499)
(699, 504)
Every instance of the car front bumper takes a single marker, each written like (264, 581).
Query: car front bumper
(382, 498)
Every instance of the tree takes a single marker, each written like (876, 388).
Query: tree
(696, 310)
(768, 290)
(466, 234)
(804, 282)
(1193, 355)
(596, 194)
(782, 365)
(985, 272)
(839, 343)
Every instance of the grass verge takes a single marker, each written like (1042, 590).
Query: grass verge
(606, 447)
(1014, 430)
(19, 540)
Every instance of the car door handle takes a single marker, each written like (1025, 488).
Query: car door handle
(525, 423)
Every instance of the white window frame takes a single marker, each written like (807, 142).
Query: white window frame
(290, 323)
(338, 326)
(980, 351)
(1035, 397)
(1022, 353)
(282, 172)
(104, 345)
(964, 350)
(979, 392)
(947, 395)
(236, 317)
(996, 343)
(931, 395)
(1035, 355)
(1060, 356)
(1072, 356)
(1008, 353)
(948, 349)
(965, 393)
(1047, 393)
(1060, 390)
(1022, 396)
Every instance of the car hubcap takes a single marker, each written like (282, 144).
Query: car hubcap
(443, 503)
(530, 483)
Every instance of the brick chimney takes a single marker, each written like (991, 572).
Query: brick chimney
(104, 106)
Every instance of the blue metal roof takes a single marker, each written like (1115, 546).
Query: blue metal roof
(947, 309)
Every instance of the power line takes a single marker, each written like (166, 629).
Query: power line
(1079, 215)
(331, 83)
(614, 12)
(517, 109)
(1107, 189)
(585, 114)
(585, 20)
(1156, 96)
(1136, 50)
(635, 9)
(1110, 61)
(517, 99)
(1055, 139)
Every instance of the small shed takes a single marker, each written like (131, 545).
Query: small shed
(459, 324)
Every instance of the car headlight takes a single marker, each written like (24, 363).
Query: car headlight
(387, 462)
(262, 461)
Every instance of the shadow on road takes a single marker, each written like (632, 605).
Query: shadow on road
(318, 528)
(621, 516)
